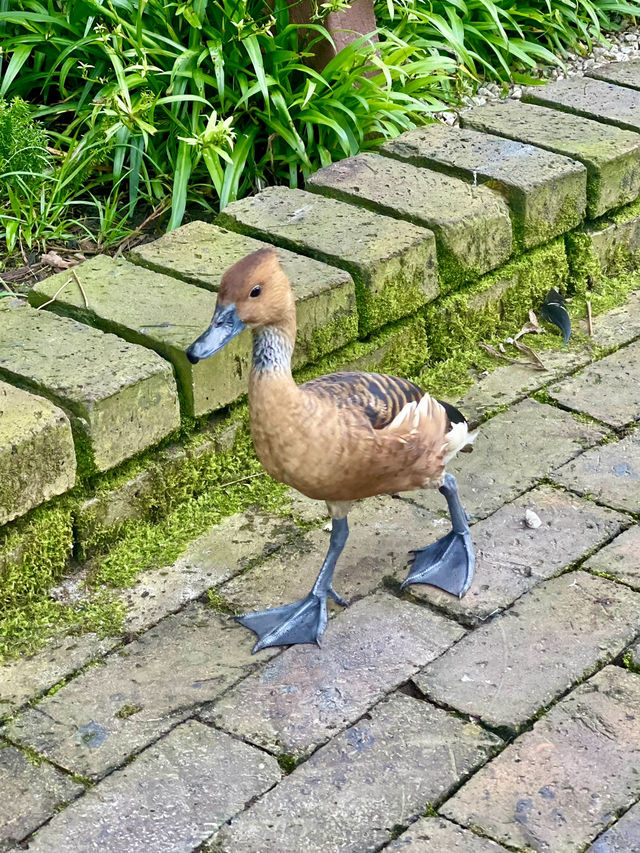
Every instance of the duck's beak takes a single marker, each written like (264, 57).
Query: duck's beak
(225, 325)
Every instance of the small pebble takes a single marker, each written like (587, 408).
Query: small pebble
(532, 519)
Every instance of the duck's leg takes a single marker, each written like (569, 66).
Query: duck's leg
(303, 621)
(449, 562)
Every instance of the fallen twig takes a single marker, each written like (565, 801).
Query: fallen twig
(589, 319)
(533, 356)
(55, 295)
(79, 283)
(153, 215)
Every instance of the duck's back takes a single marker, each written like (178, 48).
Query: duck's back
(378, 397)
(346, 436)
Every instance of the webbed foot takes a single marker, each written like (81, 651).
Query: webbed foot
(303, 621)
(447, 563)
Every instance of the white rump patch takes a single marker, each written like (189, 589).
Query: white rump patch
(457, 438)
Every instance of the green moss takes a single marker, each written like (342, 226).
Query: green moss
(288, 763)
(34, 552)
(538, 231)
(212, 487)
(128, 711)
(400, 348)
(340, 328)
(497, 304)
(219, 603)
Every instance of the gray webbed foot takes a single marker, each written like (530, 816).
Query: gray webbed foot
(303, 621)
(447, 564)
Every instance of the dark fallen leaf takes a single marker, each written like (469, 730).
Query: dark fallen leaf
(554, 310)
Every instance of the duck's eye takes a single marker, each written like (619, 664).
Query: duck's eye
(256, 291)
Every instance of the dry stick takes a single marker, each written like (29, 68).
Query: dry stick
(153, 215)
(589, 319)
(79, 283)
(55, 295)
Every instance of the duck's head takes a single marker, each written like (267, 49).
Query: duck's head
(253, 293)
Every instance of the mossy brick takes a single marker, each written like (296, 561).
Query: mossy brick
(607, 248)
(400, 349)
(393, 263)
(34, 551)
(500, 300)
(169, 799)
(158, 312)
(546, 192)
(610, 154)
(596, 99)
(186, 660)
(200, 253)
(472, 224)
(121, 398)
(356, 790)
(37, 457)
(623, 73)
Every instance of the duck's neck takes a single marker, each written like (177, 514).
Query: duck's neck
(272, 351)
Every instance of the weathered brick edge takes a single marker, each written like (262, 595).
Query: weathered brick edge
(415, 289)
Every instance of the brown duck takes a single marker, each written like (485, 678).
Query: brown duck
(338, 438)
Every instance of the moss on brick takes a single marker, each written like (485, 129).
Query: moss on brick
(498, 302)
(400, 348)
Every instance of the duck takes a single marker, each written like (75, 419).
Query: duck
(338, 438)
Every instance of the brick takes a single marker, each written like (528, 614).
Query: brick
(590, 98)
(223, 551)
(558, 786)
(400, 349)
(620, 325)
(620, 559)
(471, 224)
(512, 558)
(560, 632)
(165, 314)
(608, 474)
(512, 383)
(301, 698)
(605, 250)
(29, 794)
(607, 389)
(622, 837)
(546, 192)
(200, 253)
(393, 264)
(23, 679)
(160, 313)
(37, 456)
(623, 73)
(634, 656)
(610, 154)
(382, 531)
(497, 304)
(513, 451)
(351, 793)
(168, 800)
(95, 722)
(435, 835)
(121, 398)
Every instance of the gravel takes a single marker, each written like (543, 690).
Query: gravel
(619, 47)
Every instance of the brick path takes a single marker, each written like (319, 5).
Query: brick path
(509, 720)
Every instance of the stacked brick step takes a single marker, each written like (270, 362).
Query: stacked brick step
(387, 253)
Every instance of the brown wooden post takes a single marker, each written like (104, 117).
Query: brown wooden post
(346, 26)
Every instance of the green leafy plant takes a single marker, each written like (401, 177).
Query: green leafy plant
(499, 39)
(207, 101)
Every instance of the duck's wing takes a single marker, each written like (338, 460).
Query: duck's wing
(380, 398)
